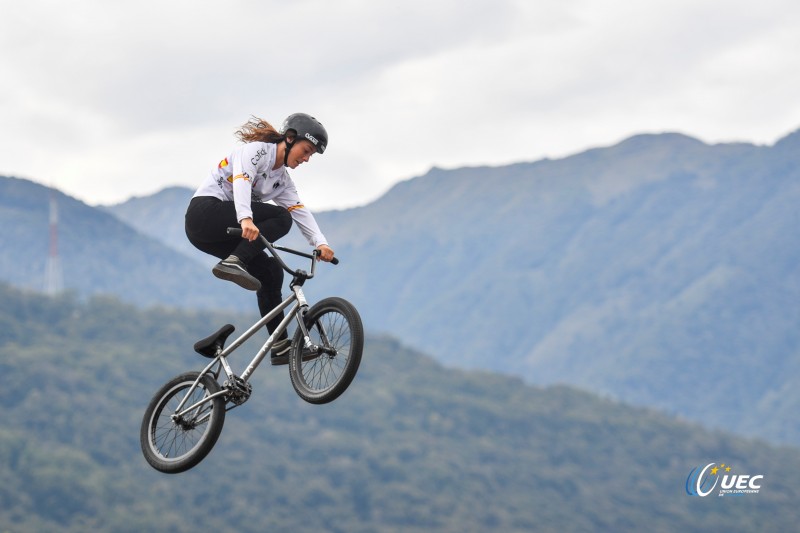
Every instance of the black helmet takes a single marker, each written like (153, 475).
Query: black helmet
(308, 128)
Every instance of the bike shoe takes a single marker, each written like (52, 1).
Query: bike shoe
(232, 269)
(282, 357)
(280, 351)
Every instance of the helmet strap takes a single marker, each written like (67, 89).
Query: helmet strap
(286, 153)
(288, 149)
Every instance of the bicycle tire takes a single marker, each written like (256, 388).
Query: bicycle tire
(172, 447)
(320, 379)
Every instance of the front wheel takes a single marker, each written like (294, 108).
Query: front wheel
(321, 376)
(174, 442)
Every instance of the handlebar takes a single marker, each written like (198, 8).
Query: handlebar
(272, 247)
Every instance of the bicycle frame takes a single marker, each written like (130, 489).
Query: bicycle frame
(297, 312)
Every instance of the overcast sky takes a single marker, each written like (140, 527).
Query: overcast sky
(107, 100)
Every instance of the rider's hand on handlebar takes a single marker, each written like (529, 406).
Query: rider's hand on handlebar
(249, 229)
(325, 253)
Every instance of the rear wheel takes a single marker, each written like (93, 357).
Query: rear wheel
(171, 443)
(322, 376)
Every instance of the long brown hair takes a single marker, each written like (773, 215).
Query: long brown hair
(257, 129)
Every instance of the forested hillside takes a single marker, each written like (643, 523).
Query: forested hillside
(411, 446)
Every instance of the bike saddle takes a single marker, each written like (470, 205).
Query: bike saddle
(208, 347)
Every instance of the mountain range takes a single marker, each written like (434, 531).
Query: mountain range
(662, 271)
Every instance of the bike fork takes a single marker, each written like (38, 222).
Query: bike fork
(324, 342)
(301, 315)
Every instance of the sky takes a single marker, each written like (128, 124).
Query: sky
(109, 100)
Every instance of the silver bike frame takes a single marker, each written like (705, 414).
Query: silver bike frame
(298, 298)
(298, 311)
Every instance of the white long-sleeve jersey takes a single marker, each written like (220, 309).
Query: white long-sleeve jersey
(246, 176)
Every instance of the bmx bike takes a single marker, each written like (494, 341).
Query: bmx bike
(184, 418)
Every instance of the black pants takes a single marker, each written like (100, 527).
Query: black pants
(207, 221)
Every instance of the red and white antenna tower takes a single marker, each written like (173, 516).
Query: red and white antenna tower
(53, 281)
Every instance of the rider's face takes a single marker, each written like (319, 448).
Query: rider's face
(300, 153)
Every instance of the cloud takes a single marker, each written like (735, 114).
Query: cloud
(109, 100)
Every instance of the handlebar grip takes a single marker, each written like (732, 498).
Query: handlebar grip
(334, 261)
(235, 231)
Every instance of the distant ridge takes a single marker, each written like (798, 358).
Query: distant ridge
(160, 216)
(99, 253)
